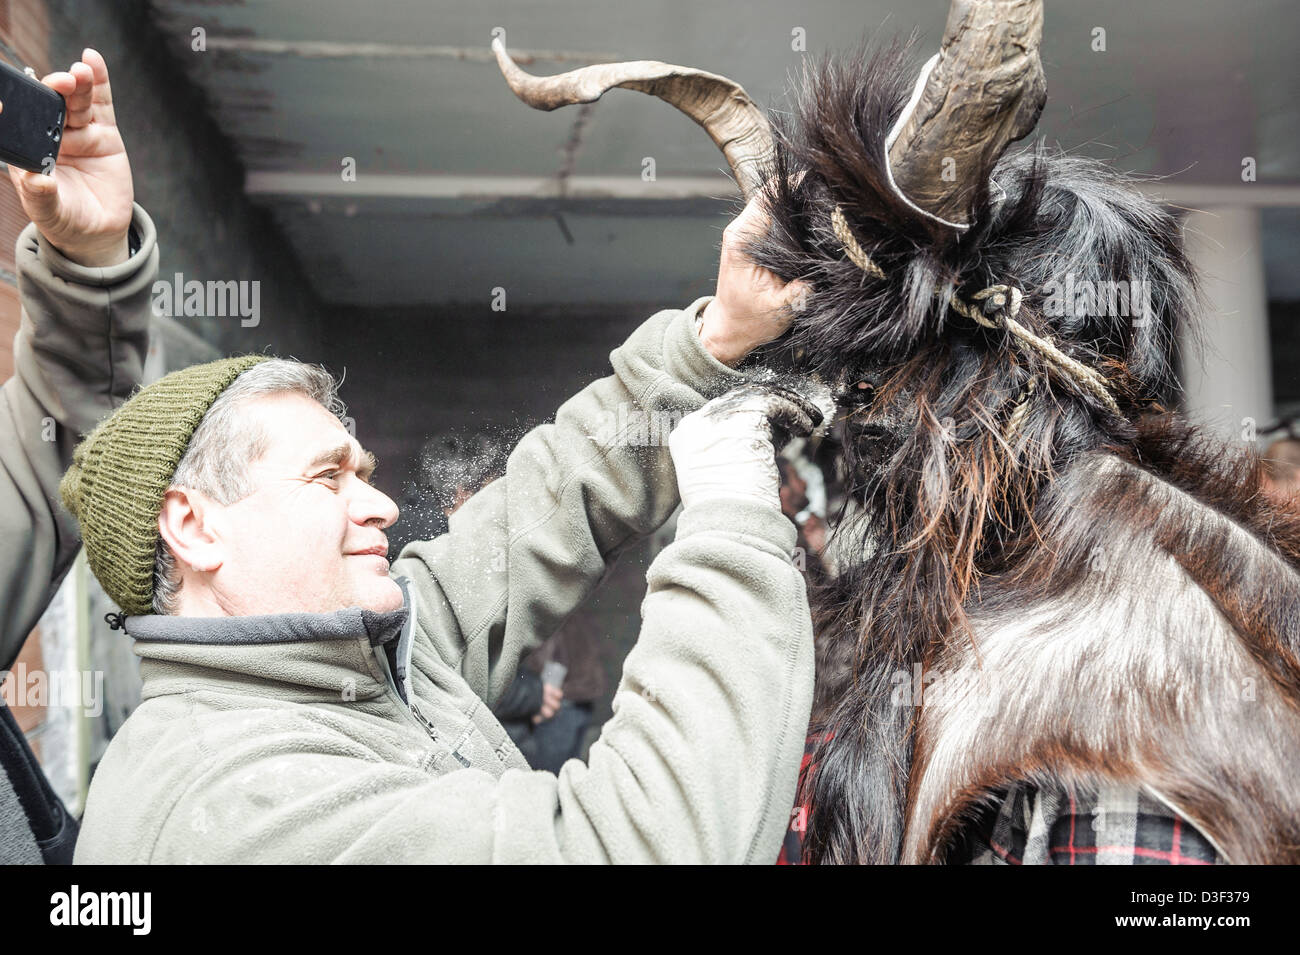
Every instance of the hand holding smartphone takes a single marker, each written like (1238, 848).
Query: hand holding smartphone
(67, 159)
(31, 121)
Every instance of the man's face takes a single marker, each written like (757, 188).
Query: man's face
(310, 537)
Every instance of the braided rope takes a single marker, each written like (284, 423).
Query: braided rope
(1007, 300)
(857, 255)
(1019, 411)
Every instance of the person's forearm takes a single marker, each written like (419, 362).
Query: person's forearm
(713, 705)
(79, 353)
(526, 550)
(87, 328)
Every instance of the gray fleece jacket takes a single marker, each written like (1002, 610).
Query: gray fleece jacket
(362, 737)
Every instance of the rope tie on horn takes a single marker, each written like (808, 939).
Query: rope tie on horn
(995, 307)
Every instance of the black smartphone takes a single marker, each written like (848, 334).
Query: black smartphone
(31, 121)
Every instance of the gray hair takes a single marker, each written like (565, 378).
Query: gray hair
(223, 445)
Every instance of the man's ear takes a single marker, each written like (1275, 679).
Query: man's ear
(186, 525)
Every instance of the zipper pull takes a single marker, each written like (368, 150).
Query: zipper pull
(424, 721)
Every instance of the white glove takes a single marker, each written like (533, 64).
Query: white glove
(725, 450)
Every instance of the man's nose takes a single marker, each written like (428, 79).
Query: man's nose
(372, 506)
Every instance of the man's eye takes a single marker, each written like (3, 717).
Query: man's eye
(327, 476)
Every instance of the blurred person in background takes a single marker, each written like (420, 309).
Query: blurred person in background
(1282, 467)
(448, 470)
(812, 528)
(548, 722)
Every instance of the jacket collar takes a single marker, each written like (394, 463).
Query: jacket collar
(299, 656)
(378, 628)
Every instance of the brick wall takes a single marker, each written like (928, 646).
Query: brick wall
(24, 36)
(24, 41)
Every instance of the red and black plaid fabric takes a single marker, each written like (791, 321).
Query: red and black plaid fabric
(1117, 825)
(792, 848)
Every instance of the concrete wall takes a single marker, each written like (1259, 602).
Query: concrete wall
(187, 178)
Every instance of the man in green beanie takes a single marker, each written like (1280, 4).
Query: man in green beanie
(85, 268)
(303, 701)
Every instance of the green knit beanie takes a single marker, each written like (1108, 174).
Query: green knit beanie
(121, 471)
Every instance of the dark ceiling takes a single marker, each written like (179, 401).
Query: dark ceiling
(456, 179)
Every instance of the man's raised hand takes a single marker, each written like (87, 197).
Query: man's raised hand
(84, 208)
(752, 306)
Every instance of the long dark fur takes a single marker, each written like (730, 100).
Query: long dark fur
(953, 520)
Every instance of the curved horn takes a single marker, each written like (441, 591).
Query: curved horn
(722, 107)
(983, 91)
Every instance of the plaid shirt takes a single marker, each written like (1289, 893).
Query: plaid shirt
(1119, 825)
(792, 847)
